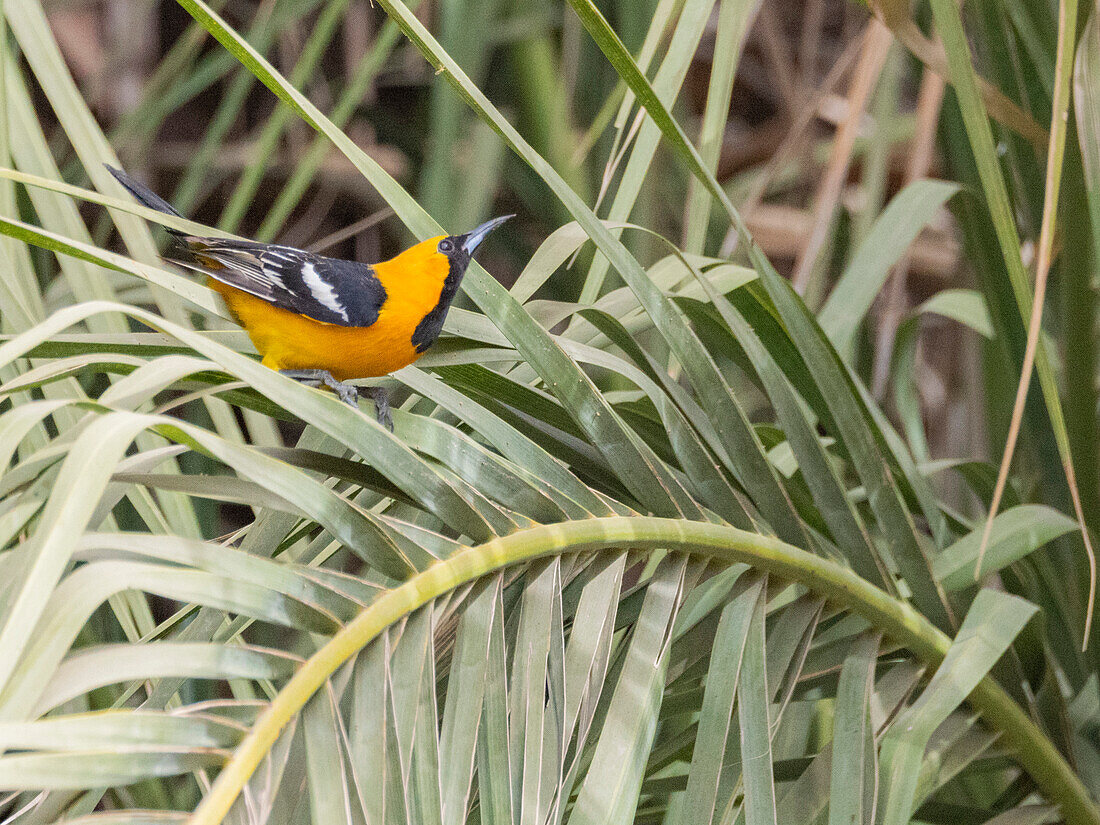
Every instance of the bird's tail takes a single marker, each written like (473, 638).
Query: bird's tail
(145, 195)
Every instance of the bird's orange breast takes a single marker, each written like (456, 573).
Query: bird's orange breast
(413, 282)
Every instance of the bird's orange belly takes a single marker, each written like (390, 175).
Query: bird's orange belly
(288, 341)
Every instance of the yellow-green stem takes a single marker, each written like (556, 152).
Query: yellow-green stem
(719, 543)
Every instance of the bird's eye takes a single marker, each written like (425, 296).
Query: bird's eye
(446, 246)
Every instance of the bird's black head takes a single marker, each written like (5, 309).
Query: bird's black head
(459, 250)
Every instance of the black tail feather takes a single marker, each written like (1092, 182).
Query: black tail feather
(144, 194)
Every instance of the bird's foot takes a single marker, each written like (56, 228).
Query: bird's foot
(348, 393)
(381, 399)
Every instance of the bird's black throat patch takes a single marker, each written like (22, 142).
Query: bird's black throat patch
(432, 324)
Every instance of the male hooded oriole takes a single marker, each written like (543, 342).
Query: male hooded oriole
(324, 320)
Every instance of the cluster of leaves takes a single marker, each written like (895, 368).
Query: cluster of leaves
(653, 555)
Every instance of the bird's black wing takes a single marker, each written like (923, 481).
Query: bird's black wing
(326, 289)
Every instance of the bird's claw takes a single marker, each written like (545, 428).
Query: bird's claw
(347, 393)
(381, 401)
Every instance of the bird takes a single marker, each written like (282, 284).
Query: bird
(327, 321)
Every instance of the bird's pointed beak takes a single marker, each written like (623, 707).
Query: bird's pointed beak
(474, 238)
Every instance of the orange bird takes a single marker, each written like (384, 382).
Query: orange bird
(324, 320)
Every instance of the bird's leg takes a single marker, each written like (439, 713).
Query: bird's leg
(348, 393)
(309, 377)
(381, 400)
